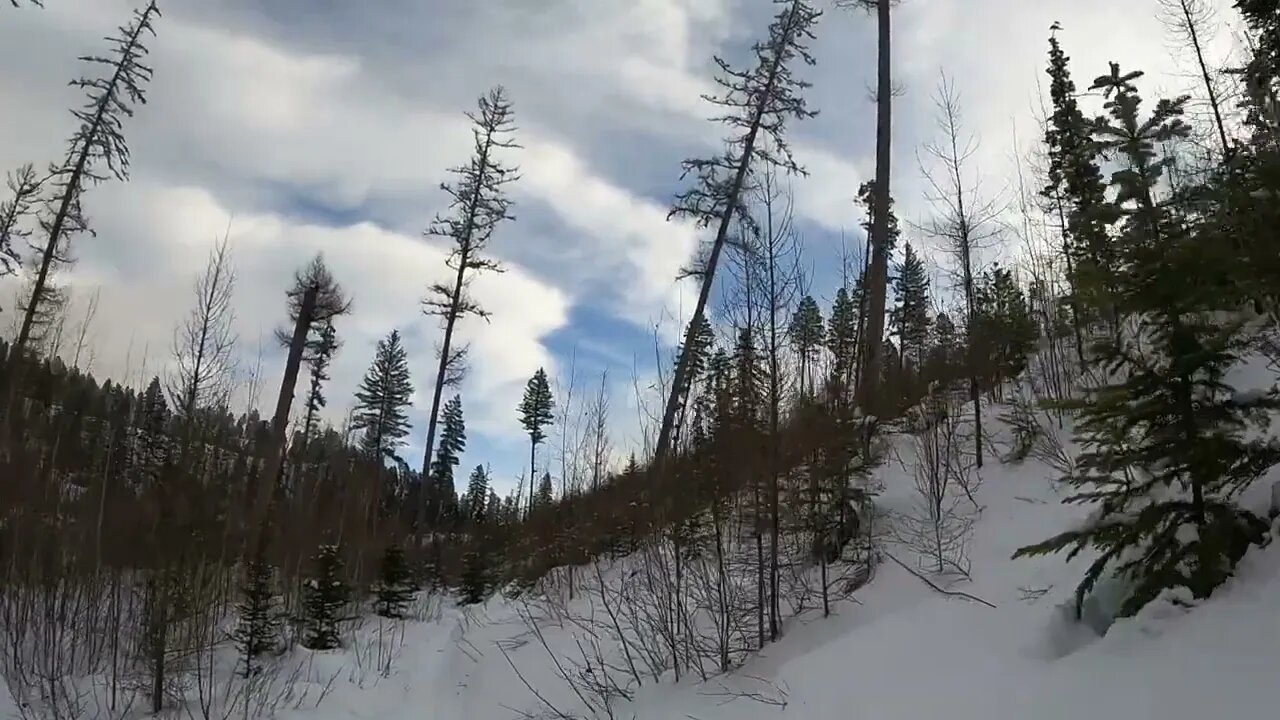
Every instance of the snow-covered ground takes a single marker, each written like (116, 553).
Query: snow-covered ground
(897, 649)
(900, 649)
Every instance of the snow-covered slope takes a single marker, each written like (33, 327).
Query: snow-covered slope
(898, 650)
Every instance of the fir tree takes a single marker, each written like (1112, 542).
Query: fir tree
(324, 600)
(258, 616)
(382, 400)
(453, 440)
(151, 438)
(1005, 331)
(395, 585)
(484, 509)
(478, 203)
(910, 319)
(807, 333)
(535, 415)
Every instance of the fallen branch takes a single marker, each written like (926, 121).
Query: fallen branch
(930, 583)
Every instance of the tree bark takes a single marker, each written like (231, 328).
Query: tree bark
(879, 275)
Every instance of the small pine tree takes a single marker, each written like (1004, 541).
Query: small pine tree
(842, 339)
(382, 400)
(325, 598)
(395, 585)
(545, 496)
(910, 319)
(257, 629)
(441, 504)
(535, 415)
(806, 332)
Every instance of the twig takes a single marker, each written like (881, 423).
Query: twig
(559, 713)
(933, 585)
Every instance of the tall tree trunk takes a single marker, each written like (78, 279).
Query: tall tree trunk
(280, 420)
(879, 275)
(1193, 34)
(441, 374)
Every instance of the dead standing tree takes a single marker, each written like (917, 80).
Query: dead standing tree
(98, 141)
(757, 103)
(314, 300)
(965, 221)
(479, 203)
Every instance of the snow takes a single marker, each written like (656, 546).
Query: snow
(898, 650)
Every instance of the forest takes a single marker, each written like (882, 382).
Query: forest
(151, 535)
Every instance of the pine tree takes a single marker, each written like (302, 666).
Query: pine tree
(325, 600)
(758, 103)
(842, 340)
(1077, 188)
(478, 506)
(535, 415)
(544, 496)
(1166, 441)
(910, 319)
(484, 508)
(258, 615)
(807, 333)
(395, 586)
(453, 440)
(151, 438)
(321, 354)
(382, 400)
(479, 203)
(1005, 332)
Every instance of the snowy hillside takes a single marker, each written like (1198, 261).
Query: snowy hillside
(897, 649)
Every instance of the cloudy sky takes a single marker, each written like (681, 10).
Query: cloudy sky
(327, 125)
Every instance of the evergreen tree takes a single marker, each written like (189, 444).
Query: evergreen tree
(478, 203)
(453, 440)
(323, 348)
(535, 415)
(151, 438)
(1077, 188)
(807, 333)
(382, 400)
(842, 339)
(324, 600)
(1005, 332)
(479, 506)
(910, 319)
(395, 585)
(258, 616)
(545, 496)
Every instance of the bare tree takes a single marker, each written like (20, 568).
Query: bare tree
(964, 221)
(1193, 23)
(757, 104)
(939, 525)
(98, 141)
(24, 188)
(479, 204)
(204, 344)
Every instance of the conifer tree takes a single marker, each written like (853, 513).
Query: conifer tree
(807, 334)
(757, 102)
(453, 440)
(395, 586)
(1005, 332)
(478, 203)
(325, 600)
(96, 150)
(535, 415)
(478, 506)
(910, 319)
(151, 438)
(323, 349)
(544, 495)
(382, 400)
(842, 340)
(258, 616)
(1077, 189)
(24, 189)
(203, 345)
